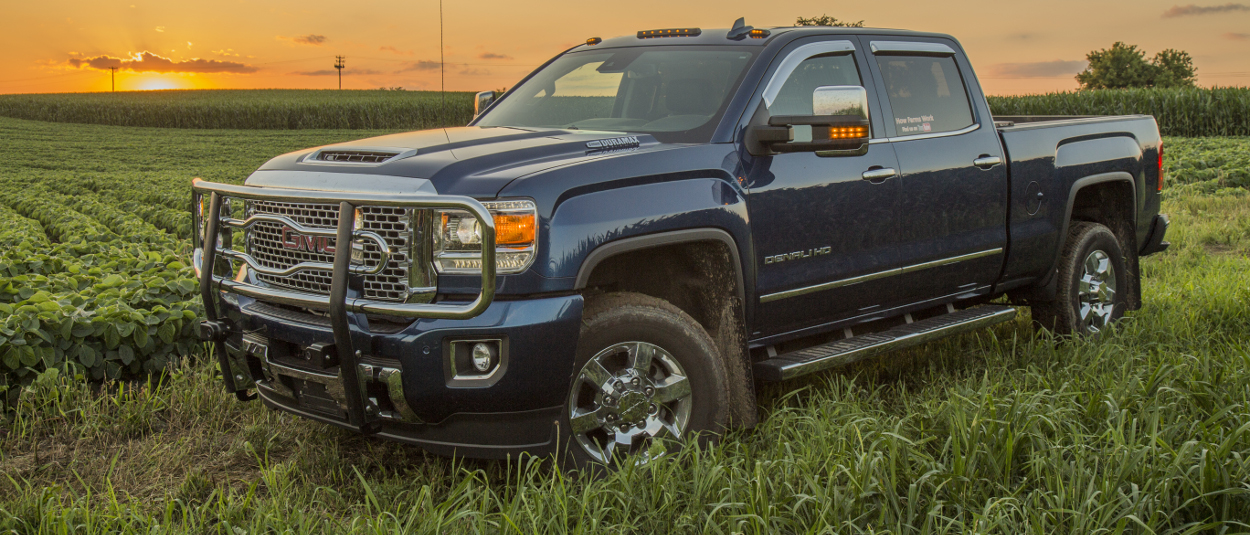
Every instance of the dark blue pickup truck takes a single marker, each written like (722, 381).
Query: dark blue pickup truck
(615, 252)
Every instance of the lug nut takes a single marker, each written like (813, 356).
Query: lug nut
(608, 400)
(649, 391)
(653, 409)
(636, 381)
(642, 424)
(618, 385)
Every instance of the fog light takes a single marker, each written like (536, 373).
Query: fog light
(483, 357)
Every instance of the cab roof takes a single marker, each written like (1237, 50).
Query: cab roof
(718, 36)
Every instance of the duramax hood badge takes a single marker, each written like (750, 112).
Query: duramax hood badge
(614, 143)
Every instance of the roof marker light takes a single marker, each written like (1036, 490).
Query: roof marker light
(593, 41)
(675, 32)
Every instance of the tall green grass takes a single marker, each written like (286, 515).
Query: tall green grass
(1146, 430)
(1195, 112)
(248, 109)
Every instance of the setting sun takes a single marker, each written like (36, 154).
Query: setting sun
(157, 83)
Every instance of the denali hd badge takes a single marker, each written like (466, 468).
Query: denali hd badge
(626, 142)
(818, 251)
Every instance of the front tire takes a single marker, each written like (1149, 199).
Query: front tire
(1091, 295)
(647, 379)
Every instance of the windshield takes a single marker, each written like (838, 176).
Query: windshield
(676, 93)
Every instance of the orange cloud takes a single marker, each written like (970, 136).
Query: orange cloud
(1232, 36)
(1191, 9)
(310, 39)
(149, 62)
(396, 51)
(492, 55)
(422, 65)
(1040, 69)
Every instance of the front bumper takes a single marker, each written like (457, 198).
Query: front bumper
(411, 395)
(336, 369)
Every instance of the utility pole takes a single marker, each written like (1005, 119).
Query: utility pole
(113, 78)
(338, 64)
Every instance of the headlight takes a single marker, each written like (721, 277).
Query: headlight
(458, 238)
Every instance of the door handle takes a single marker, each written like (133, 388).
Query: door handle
(986, 162)
(874, 175)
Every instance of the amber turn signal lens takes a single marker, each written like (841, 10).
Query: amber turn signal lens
(848, 132)
(514, 229)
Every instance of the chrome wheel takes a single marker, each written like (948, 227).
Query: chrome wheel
(630, 398)
(1096, 292)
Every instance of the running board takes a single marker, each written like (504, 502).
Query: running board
(822, 357)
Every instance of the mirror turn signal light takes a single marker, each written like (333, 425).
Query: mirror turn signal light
(848, 132)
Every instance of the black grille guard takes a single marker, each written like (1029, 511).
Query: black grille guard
(337, 303)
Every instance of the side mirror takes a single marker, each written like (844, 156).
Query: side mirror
(840, 126)
(481, 101)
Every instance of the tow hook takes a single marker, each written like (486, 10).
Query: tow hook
(214, 331)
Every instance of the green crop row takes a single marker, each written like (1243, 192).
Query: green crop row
(248, 109)
(19, 232)
(111, 298)
(1194, 112)
(1207, 164)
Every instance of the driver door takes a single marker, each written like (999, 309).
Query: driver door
(824, 226)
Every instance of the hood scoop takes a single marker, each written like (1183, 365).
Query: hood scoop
(354, 156)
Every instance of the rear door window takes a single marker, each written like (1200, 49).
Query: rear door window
(926, 94)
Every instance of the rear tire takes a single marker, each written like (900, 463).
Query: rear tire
(1092, 286)
(647, 379)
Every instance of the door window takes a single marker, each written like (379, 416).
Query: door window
(926, 94)
(795, 97)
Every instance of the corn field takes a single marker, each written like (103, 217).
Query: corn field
(1197, 112)
(273, 109)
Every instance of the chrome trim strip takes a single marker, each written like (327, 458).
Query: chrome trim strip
(952, 260)
(878, 275)
(960, 132)
(796, 57)
(910, 46)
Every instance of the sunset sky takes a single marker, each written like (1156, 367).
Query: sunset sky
(1016, 47)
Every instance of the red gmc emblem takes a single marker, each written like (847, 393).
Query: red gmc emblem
(299, 242)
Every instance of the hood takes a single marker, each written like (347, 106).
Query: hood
(473, 161)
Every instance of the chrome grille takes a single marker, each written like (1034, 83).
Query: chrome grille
(264, 243)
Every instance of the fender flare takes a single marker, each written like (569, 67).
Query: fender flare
(648, 241)
(1115, 176)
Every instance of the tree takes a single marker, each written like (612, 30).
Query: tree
(826, 20)
(1124, 66)
(1175, 69)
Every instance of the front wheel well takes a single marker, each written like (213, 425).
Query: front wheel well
(700, 278)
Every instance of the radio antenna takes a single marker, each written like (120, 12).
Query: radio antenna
(442, 69)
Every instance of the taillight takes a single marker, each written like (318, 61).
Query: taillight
(1160, 165)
